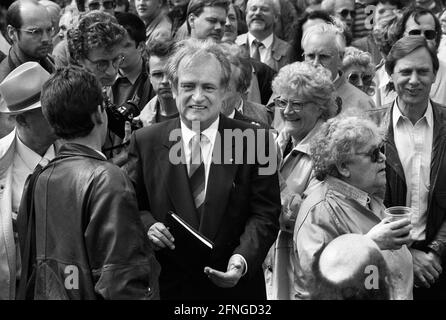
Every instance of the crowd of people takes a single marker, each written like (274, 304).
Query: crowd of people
(217, 149)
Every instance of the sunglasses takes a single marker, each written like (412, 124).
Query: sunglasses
(296, 105)
(106, 4)
(428, 34)
(344, 13)
(374, 154)
(353, 78)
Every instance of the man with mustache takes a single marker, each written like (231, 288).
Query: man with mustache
(260, 40)
(158, 24)
(415, 152)
(30, 29)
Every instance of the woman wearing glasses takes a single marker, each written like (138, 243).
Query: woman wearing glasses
(347, 159)
(358, 67)
(305, 99)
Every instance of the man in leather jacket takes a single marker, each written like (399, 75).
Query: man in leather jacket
(88, 240)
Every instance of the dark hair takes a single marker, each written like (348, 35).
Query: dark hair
(13, 16)
(160, 48)
(69, 98)
(405, 46)
(416, 13)
(397, 3)
(133, 24)
(96, 29)
(296, 51)
(196, 7)
(123, 2)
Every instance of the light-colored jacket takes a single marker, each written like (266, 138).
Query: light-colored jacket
(7, 244)
(279, 51)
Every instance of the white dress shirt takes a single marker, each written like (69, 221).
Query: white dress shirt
(24, 163)
(265, 50)
(207, 146)
(414, 145)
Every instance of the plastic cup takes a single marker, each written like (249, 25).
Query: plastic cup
(398, 213)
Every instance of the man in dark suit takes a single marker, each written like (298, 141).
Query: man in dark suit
(177, 165)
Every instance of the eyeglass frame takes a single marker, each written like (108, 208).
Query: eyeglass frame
(375, 153)
(344, 15)
(38, 32)
(293, 103)
(363, 75)
(103, 5)
(419, 32)
(96, 63)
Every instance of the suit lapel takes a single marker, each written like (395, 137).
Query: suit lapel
(220, 183)
(177, 181)
(392, 158)
(437, 145)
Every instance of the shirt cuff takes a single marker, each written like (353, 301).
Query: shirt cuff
(244, 261)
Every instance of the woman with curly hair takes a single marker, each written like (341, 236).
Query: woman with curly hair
(305, 99)
(359, 69)
(348, 160)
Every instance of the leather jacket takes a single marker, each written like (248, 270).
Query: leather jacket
(90, 241)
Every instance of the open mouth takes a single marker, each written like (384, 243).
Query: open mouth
(196, 107)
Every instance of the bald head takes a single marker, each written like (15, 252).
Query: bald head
(345, 265)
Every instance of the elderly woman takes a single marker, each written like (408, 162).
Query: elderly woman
(359, 70)
(347, 158)
(305, 99)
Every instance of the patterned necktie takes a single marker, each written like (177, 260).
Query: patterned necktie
(257, 44)
(197, 173)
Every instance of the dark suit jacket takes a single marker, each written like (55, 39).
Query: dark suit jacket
(240, 214)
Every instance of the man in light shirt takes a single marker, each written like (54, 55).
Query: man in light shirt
(179, 165)
(416, 161)
(260, 41)
(28, 145)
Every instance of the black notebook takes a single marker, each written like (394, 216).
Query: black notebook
(191, 247)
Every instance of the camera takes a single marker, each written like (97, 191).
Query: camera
(118, 115)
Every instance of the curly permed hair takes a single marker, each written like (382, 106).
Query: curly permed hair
(313, 83)
(337, 140)
(95, 30)
(355, 56)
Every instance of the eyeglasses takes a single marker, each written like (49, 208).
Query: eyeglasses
(353, 78)
(97, 5)
(38, 32)
(344, 13)
(374, 154)
(428, 34)
(102, 65)
(296, 105)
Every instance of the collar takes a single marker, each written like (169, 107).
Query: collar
(31, 158)
(267, 42)
(152, 25)
(232, 114)
(348, 191)
(339, 80)
(398, 116)
(304, 145)
(240, 106)
(210, 132)
(131, 76)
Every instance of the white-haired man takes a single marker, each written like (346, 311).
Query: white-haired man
(324, 45)
(260, 40)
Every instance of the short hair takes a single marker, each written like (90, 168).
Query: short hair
(190, 49)
(196, 7)
(416, 13)
(296, 51)
(237, 58)
(96, 29)
(160, 48)
(311, 82)
(336, 142)
(275, 4)
(405, 46)
(355, 56)
(69, 98)
(133, 24)
(397, 3)
(327, 30)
